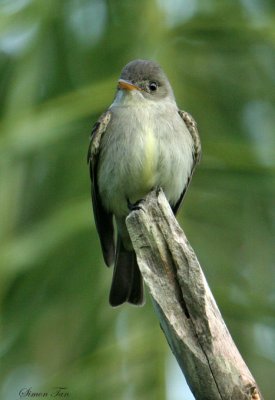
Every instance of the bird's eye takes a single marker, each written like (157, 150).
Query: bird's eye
(153, 86)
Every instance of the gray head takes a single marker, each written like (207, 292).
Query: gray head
(146, 77)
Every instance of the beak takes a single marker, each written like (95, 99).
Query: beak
(123, 84)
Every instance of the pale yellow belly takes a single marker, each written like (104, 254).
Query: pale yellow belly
(148, 173)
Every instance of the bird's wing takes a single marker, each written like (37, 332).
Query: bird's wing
(192, 128)
(103, 218)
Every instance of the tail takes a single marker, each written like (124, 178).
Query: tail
(127, 283)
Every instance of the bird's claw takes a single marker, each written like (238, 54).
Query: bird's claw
(158, 190)
(135, 206)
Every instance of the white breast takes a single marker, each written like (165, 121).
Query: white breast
(141, 149)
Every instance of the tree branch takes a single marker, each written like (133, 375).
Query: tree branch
(187, 311)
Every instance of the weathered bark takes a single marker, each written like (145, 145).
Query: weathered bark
(187, 311)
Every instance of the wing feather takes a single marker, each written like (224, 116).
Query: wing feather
(192, 128)
(103, 218)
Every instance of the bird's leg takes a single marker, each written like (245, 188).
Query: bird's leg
(157, 189)
(138, 204)
(135, 206)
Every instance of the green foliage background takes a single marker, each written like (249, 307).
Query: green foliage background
(59, 62)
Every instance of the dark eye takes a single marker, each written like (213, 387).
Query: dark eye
(153, 86)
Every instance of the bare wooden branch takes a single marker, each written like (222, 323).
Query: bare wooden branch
(187, 311)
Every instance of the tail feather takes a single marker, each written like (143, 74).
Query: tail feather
(136, 295)
(127, 283)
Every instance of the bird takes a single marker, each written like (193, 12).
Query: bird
(141, 142)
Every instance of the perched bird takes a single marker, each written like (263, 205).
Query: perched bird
(141, 142)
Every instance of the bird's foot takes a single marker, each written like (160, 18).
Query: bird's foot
(135, 206)
(157, 189)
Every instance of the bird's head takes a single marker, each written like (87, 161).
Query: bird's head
(143, 80)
